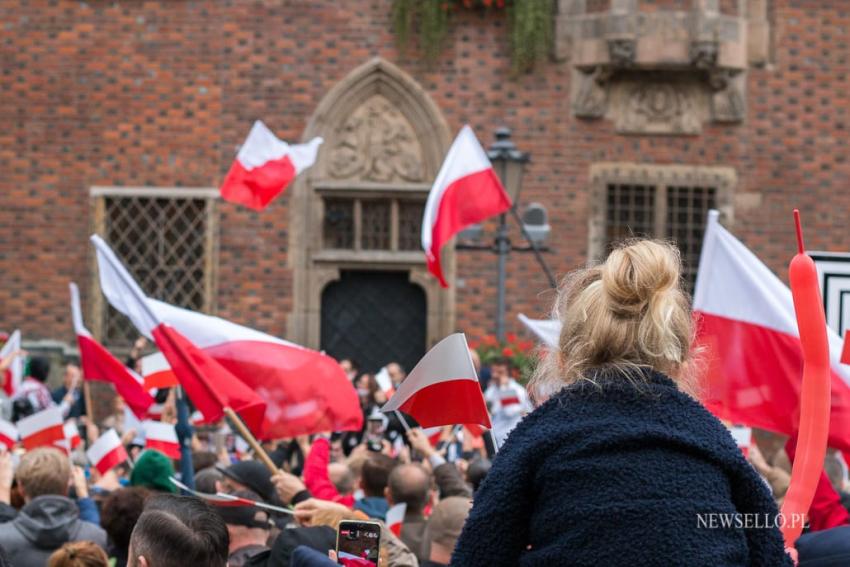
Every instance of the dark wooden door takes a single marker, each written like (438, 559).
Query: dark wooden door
(374, 318)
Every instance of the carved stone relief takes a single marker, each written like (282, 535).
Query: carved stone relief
(376, 143)
(659, 71)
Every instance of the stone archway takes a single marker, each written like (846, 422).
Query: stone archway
(384, 142)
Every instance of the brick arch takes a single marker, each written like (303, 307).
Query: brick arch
(425, 135)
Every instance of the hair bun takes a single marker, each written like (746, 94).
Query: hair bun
(637, 272)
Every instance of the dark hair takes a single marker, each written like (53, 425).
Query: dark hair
(121, 511)
(501, 361)
(408, 489)
(179, 531)
(376, 474)
(205, 480)
(477, 472)
(203, 460)
(39, 368)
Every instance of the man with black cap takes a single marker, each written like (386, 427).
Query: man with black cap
(248, 527)
(249, 475)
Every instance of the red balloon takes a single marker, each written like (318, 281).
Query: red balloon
(815, 394)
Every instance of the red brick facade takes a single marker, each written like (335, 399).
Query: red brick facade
(160, 94)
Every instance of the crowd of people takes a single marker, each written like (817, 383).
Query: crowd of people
(612, 464)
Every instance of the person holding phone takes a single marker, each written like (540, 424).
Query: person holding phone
(621, 463)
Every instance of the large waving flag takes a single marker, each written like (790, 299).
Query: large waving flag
(305, 391)
(752, 356)
(443, 388)
(15, 372)
(264, 166)
(466, 191)
(99, 364)
(209, 385)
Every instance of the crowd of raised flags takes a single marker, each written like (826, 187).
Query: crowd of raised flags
(747, 339)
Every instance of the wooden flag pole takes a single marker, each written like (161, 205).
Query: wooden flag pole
(252, 441)
(89, 408)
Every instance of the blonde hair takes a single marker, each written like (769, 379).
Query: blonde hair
(627, 313)
(79, 554)
(44, 471)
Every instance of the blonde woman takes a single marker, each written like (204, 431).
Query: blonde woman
(622, 466)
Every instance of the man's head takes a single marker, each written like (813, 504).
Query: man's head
(71, 375)
(341, 477)
(500, 371)
(350, 367)
(39, 368)
(396, 372)
(444, 527)
(376, 474)
(121, 511)
(178, 531)
(246, 525)
(248, 475)
(43, 471)
(411, 485)
(337, 451)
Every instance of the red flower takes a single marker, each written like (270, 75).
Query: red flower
(500, 3)
(473, 345)
(511, 338)
(490, 340)
(507, 352)
(526, 345)
(487, 3)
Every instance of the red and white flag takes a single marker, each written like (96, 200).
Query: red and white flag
(107, 452)
(743, 437)
(99, 364)
(433, 434)
(72, 435)
(15, 373)
(466, 191)
(157, 373)
(751, 347)
(443, 388)
(43, 428)
(395, 518)
(385, 383)
(209, 385)
(8, 434)
(271, 367)
(264, 167)
(162, 437)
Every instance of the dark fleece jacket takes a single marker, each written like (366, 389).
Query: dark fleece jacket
(616, 474)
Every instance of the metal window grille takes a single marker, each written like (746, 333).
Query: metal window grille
(371, 223)
(166, 244)
(687, 210)
(339, 224)
(410, 225)
(630, 212)
(375, 225)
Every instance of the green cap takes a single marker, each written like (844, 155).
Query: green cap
(152, 470)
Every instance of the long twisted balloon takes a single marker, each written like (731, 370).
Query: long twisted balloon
(815, 395)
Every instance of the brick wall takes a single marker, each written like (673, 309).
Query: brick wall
(160, 93)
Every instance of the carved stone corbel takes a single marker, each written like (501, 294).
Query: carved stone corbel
(727, 99)
(591, 98)
(703, 54)
(622, 52)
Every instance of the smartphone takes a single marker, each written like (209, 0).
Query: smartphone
(358, 543)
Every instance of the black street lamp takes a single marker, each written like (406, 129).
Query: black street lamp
(508, 163)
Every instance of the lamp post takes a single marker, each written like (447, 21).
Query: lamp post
(508, 163)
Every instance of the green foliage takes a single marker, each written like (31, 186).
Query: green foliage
(530, 21)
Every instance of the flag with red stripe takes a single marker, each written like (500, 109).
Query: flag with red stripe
(157, 373)
(43, 428)
(14, 375)
(265, 166)
(443, 388)
(162, 437)
(466, 191)
(107, 452)
(8, 434)
(395, 518)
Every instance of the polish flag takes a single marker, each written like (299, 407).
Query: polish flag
(264, 166)
(210, 386)
(155, 412)
(15, 373)
(42, 428)
(8, 434)
(72, 435)
(162, 437)
(271, 367)
(750, 344)
(99, 364)
(107, 452)
(466, 191)
(395, 518)
(157, 373)
(443, 388)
